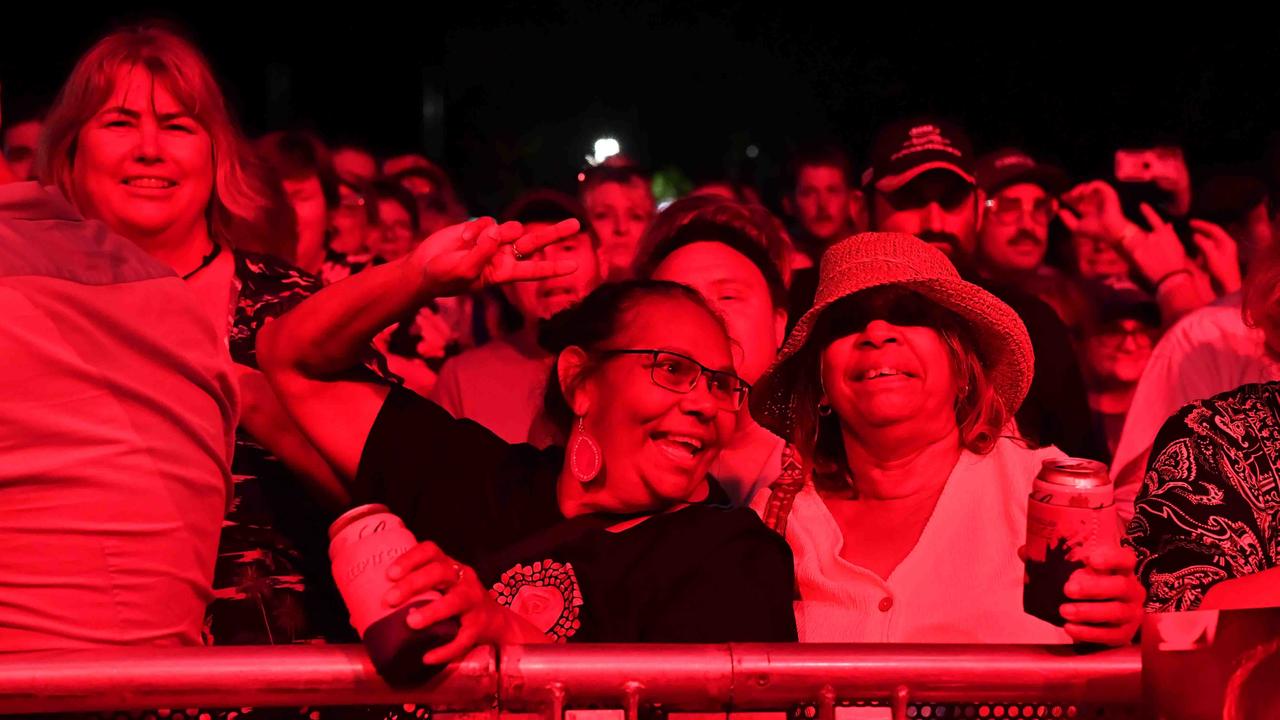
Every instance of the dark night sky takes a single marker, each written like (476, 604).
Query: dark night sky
(526, 86)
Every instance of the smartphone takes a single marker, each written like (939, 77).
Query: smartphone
(1148, 164)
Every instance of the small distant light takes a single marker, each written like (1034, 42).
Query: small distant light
(582, 177)
(604, 149)
(753, 152)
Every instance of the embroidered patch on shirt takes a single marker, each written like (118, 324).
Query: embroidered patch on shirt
(545, 593)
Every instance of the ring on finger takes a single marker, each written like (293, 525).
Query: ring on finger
(457, 570)
(516, 253)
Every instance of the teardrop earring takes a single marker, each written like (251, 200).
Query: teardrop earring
(585, 457)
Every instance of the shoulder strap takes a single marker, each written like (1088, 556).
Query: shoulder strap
(782, 492)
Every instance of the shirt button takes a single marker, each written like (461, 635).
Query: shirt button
(886, 604)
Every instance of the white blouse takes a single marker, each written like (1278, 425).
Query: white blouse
(961, 583)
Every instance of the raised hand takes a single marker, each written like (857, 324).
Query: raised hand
(1093, 209)
(1221, 254)
(467, 257)
(1158, 253)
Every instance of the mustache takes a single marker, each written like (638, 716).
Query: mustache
(1028, 236)
(941, 238)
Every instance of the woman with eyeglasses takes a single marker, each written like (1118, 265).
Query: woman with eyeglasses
(621, 536)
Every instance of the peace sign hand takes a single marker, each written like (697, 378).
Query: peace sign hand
(469, 256)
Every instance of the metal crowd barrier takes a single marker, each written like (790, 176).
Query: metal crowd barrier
(558, 680)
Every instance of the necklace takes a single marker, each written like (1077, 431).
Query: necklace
(208, 259)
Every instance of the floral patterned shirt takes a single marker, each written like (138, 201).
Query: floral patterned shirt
(271, 582)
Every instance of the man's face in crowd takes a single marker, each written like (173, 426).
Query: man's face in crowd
(1097, 257)
(396, 236)
(937, 206)
(822, 202)
(348, 222)
(619, 213)
(1118, 352)
(20, 142)
(540, 299)
(1015, 229)
(738, 291)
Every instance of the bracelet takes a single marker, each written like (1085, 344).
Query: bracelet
(1164, 278)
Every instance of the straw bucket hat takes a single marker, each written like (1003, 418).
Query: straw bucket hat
(875, 260)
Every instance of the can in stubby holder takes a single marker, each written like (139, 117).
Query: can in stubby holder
(1071, 512)
(362, 544)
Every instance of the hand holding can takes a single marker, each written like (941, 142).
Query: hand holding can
(363, 544)
(1070, 514)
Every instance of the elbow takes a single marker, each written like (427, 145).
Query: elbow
(272, 352)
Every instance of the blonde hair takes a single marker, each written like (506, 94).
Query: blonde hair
(238, 191)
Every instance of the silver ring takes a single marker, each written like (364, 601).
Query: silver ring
(516, 253)
(457, 569)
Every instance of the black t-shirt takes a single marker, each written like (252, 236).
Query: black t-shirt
(1056, 409)
(704, 573)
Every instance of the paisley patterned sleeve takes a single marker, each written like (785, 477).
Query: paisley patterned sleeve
(268, 288)
(1196, 520)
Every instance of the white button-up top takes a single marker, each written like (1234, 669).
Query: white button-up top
(961, 583)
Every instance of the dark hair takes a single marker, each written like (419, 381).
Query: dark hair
(294, 153)
(616, 169)
(731, 189)
(1228, 199)
(821, 154)
(592, 323)
(749, 230)
(384, 189)
(549, 206)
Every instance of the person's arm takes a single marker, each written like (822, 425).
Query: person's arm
(307, 352)
(1094, 209)
(262, 415)
(1220, 253)
(1177, 529)
(1259, 590)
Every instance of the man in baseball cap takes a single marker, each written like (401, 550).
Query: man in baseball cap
(1021, 198)
(922, 181)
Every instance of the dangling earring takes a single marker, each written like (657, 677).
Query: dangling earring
(584, 455)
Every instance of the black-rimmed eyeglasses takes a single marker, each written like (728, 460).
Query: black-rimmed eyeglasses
(680, 373)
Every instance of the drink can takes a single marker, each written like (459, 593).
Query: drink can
(363, 543)
(1070, 513)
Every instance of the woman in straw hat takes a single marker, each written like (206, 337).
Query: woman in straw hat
(905, 501)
